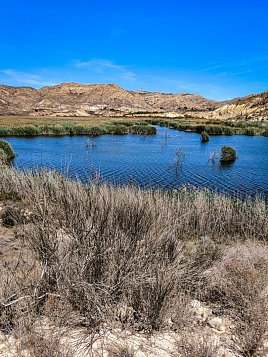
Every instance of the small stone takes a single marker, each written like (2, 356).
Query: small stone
(195, 304)
(206, 240)
(216, 323)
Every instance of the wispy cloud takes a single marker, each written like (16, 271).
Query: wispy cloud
(21, 78)
(211, 68)
(214, 80)
(239, 66)
(102, 67)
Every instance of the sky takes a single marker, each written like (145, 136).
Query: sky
(218, 49)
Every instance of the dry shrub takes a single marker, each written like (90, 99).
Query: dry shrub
(193, 212)
(250, 335)
(116, 350)
(105, 250)
(241, 281)
(10, 216)
(18, 300)
(38, 344)
(193, 345)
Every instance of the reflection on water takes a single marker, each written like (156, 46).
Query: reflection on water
(168, 160)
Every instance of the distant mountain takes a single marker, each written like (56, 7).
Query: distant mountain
(74, 99)
(79, 100)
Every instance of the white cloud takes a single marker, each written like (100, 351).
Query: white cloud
(21, 78)
(103, 67)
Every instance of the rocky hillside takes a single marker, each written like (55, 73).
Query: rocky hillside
(83, 100)
(251, 108)
(74, 99)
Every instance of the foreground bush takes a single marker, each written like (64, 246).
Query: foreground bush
(239, 286)
(6, 152)
(111, 256)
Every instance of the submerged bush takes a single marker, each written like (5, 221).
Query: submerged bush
(204, 137)
(228, 154)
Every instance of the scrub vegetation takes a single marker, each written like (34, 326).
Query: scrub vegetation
(98, 257)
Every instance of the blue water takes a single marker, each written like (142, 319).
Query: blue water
(151, 161)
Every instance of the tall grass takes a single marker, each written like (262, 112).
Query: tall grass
(60, 129)
(120, 256)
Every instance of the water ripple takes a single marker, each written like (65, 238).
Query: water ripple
(151, 161)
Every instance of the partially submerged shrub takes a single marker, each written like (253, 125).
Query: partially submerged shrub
(228, 154)
(204, 137)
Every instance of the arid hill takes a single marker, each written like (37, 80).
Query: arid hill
(78, 99)
(250, 108)
(74, 99)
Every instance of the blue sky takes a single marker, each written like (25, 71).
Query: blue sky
(216, 48)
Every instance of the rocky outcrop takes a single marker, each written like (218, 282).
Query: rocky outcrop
(250, 108)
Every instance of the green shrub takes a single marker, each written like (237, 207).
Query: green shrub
(249, 132)
(228, 131)
(6, 151)
(143, 130)
(228, 154)
(119, 130)
(204, 137)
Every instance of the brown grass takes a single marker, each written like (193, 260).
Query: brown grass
(120, 351)
(121, 257)
(241, 280)
(191, 345)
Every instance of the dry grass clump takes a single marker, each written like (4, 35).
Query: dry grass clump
(37, 344)
(192, 213)
(116, 350)
(191, 345)
(241, 282)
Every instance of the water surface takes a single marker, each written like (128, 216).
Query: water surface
(152, 161)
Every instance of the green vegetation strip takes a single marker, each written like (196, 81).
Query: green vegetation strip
(214, 127)
(113, 127)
